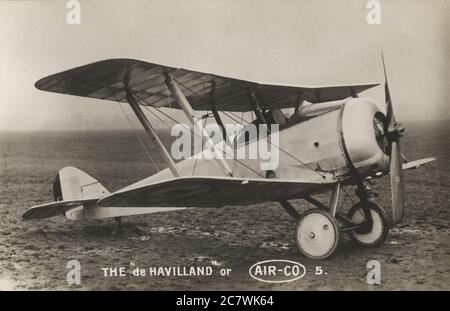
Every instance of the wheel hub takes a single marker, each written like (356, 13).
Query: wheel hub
(317, 234)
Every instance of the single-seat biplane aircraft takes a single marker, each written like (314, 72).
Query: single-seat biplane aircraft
(332, 139)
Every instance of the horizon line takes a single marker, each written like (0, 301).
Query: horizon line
(139, 129)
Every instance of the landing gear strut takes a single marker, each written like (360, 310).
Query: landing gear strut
(318, 232)
(117, 226)
(363, 196)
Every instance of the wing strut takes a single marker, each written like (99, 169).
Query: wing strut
(214, 111)
(153, 134)
(254, 104)
(196, 123)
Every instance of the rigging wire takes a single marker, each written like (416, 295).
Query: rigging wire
(348, 196)
(186, 127)
(138, 138)
(193, 132)
(196, 158)
(281, 149)
(156, 116)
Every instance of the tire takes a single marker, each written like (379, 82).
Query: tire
(317, 234)
(380, 227)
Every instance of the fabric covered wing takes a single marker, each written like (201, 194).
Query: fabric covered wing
(211, 192)
(107, 80)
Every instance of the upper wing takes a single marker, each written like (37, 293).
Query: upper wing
(211, 192)
(107, 79)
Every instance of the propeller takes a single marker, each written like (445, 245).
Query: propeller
(394, 132)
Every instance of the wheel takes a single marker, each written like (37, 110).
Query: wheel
(380, 227)
(317, 234)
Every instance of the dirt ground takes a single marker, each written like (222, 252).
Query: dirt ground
(34, 254)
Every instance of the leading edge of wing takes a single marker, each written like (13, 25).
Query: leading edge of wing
(40, 84)
(106, 80)
(200, 191)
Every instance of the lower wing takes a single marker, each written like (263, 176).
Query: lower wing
(405, 166)
(211, 192)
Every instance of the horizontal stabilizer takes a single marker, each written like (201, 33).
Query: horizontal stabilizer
(55, 208)
(72, 188)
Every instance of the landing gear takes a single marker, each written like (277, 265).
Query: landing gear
(375, 234)
(317, 234)
(317, 231)
(118, 226)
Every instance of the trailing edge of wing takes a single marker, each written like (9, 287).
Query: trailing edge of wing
(211, 192)
(107, 80)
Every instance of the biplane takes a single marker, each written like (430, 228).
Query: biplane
(330, 139)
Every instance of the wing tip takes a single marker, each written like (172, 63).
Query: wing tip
(41, 83)
(31, 214)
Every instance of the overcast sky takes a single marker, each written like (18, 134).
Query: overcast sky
(295, 42)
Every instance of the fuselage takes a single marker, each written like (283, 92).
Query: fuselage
(349, 138)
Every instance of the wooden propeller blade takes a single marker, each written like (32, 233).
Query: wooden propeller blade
(389, 109)
(397, 183)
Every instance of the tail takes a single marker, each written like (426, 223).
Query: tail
(72, 188)
(74, 184)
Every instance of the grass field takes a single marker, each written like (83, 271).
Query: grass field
(33, 255)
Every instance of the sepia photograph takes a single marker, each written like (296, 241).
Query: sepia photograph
(224, 145)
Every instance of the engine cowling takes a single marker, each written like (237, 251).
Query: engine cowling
(363, 133)
(350, 137)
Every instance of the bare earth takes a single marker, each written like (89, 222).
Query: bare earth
(33, 255)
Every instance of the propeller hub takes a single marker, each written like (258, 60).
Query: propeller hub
(396, 133)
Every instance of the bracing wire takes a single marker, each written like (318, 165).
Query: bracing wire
(170, 118)
(156, 116)
(193, 132)
(348, 196)
(196, 159)
(281, 149)
(138, 138)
